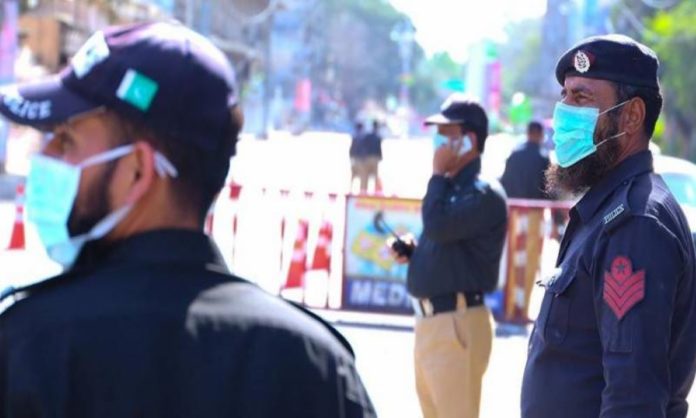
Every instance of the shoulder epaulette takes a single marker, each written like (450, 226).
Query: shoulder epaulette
(13, 294)
(481, 185)
(619, 211)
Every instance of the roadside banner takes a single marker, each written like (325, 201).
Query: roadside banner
(372, 281)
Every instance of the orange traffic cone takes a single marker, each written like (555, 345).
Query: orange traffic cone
(235, 190)
(298, 263)
(322, 252)
(17, 241)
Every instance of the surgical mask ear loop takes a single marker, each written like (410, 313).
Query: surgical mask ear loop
(610, 138)
(614, 107)
(602, 142)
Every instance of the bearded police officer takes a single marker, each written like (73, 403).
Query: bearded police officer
(146, 320)
(616, 333)
(455, 262)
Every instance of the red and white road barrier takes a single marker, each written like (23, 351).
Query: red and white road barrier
(268, 235)
(530, 222)
(17, 236)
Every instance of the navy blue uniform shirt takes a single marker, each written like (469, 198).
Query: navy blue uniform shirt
(616, 333)
(155, 327)
(523, 177)
(464, 226)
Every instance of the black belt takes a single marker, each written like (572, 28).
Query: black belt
(448, 302)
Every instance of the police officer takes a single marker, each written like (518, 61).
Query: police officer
(523, 177)
(455, 261)
(146, 320)
(616, 333)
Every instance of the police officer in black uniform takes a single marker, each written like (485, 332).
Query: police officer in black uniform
(616, 333)
(146, 320)
(455, 261)
(523, 177)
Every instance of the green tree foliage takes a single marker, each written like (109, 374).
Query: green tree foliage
(519, 58)
(434, 79)
(366, 60)
(672, 33)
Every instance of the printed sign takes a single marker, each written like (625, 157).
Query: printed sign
(373, 281)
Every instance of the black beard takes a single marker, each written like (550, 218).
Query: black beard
(98, 204)
(579, 177)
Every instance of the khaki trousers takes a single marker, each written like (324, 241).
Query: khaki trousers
(364, 169)
(451, 355)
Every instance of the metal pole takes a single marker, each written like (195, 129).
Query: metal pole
(268, 69)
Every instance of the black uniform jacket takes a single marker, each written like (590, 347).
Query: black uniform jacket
(464, 226)
(155, 327)
(616, 333)
(523, 177)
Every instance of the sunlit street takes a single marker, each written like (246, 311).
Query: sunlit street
(420, 183)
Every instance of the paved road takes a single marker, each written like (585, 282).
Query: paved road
(385, 363)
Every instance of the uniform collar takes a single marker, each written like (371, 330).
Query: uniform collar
(159, 246)
(468, 173)
(632, 166)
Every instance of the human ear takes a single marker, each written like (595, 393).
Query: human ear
(474, 140)
(140, 172)
(633, 117)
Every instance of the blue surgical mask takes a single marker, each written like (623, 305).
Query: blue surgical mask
(52, 187)
(574, 129)
(439, 140)
(461, 145)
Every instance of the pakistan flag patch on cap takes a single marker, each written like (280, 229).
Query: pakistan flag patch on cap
(137, 89)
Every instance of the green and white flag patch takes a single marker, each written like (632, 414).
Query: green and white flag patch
(137, 89)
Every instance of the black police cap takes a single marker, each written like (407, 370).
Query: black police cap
(462, 110)
(617, 58)
(172, 78)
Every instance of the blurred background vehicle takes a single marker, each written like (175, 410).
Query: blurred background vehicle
(680, 176)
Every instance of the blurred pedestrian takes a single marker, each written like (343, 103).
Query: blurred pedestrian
(356, 152)
(373, 155)
(453, 264)
(146, 320)
(365, 156)
(523, 177)
(616, 333)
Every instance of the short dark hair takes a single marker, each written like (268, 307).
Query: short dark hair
(480, 129)
(201, 174)
(650, 96)
(535, 126)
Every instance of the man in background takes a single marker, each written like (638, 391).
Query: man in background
(524, 171)
(453, 264)
(365, 156)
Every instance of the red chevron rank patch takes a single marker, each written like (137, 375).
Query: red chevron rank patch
(623, 288)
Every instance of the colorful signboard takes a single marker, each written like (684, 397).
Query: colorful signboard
(373, 281)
